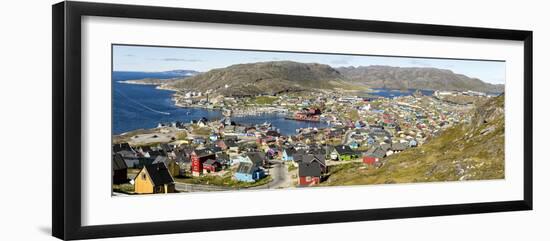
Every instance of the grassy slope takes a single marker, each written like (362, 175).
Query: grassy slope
(264, 100)
(460, 153)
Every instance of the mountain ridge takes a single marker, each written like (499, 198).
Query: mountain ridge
(274, 77)
(429, 78)
(269, 78)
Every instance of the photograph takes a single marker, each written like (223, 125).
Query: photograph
(192, 119)
(284, 120)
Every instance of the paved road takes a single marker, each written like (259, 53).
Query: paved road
(279, 175)
(278, 172)
(186, 187)
(347, 135)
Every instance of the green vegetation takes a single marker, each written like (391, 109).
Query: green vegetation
(225, 180)
(353, 115)
(265, 100)
(291, 167)
(181, 136)
(147, 144)
(334, 141)
(363, 148)
(201, 131)
(460, 99)
(125, 137)
(345, 113)
(124, 188)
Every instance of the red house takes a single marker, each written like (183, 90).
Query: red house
(198, 157)
(310, 169)
(370, 160)
(308, 115)
(196, 165)
(211, 165)
(310, 180)
(373, 156)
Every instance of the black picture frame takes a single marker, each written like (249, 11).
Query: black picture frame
(66, 127)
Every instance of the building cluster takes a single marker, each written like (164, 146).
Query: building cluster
(360, 129)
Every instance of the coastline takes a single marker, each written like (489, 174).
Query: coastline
(164, 87)
(136, 82)
(237, 111)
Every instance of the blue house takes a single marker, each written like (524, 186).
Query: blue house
(354, 145)
(288, 154)
(370, 140)
(199, 141)
(248, 172)
(413, 143)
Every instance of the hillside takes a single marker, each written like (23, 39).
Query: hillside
(415, 78)
(473, 151)
(264, 78)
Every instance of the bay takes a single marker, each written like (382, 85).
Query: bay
(144, 106)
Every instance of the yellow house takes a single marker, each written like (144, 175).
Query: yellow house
(154, 178)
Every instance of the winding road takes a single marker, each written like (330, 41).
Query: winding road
(347, 136)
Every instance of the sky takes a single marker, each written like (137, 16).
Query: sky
(153, 59)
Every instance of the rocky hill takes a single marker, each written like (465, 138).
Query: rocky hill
(415, 78)
(264, 78)
(287, 76)
(473, 151)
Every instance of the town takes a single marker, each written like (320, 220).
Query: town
(221, 154)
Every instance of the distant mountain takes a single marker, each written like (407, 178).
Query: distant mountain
(287, 76)
(415, 78)
(180, 72)
(152, 78)
(264, 78)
